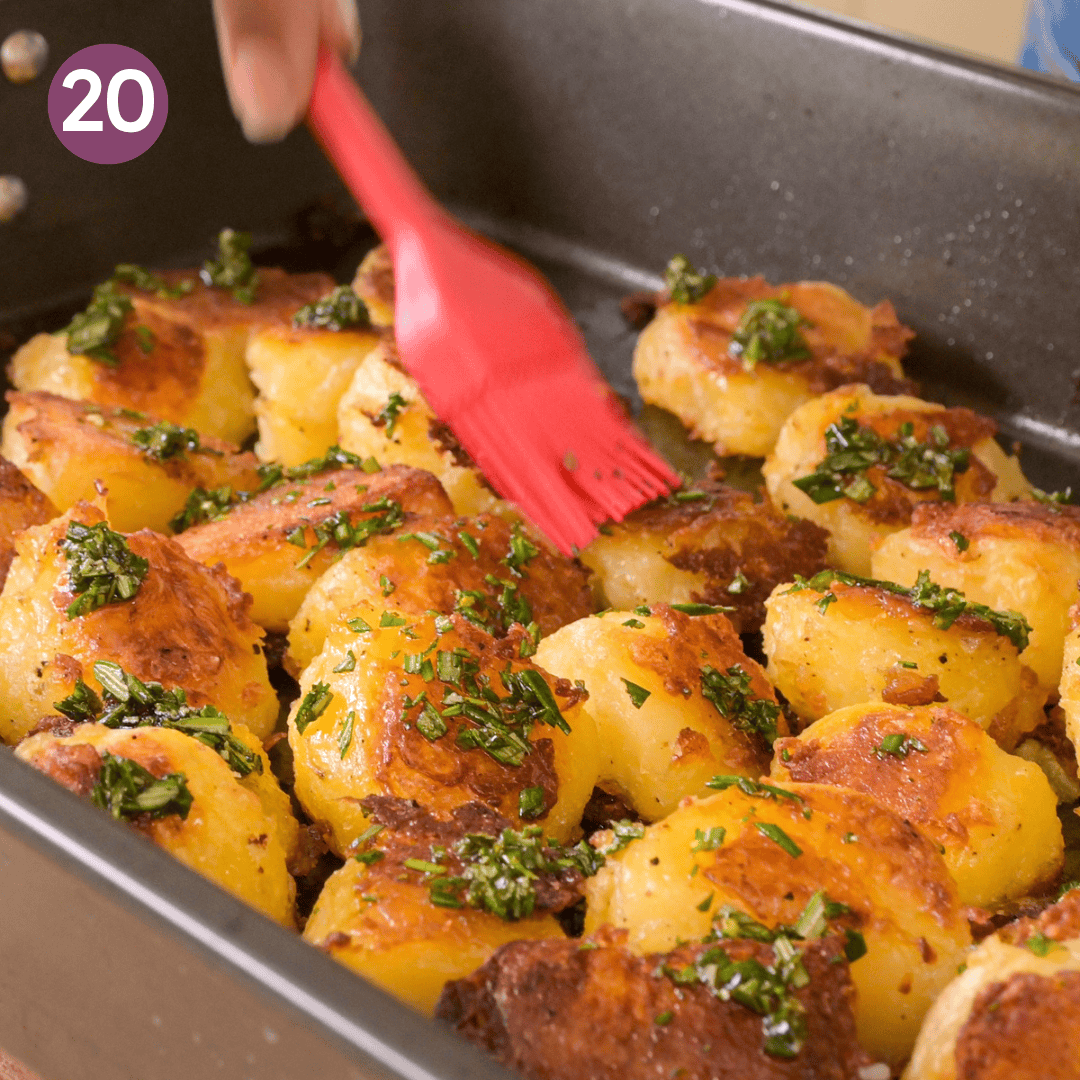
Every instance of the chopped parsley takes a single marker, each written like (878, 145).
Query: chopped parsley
(388, 415)
(731, 696)
(142, 279)
(960, 540)
(851, 450)
(708, 840)
(348, 664)
(315, 703)
(638, 694)
(623, 833)
(102, 569)
(684, 284)
(164, 441)
(339, 310)
(779, 837)
(531, 802)
(96, 330)
(739, 584)
(768, 330)
(127, 790)
(233, 268)
(899, 745)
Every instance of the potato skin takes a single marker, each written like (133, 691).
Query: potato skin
(991, 477)
(692, 551)
(556, 588)
(227, 836)
(855, 649)
(252, 540)
(388, 755)
(1020, 556)
(993, 815)
(187, 626)
(195, 374)
(21, 505)
(67, 446)
(901, 895)
(418, 438)
(681, 361)
(677, 740)
(301, 375)
(374, 284)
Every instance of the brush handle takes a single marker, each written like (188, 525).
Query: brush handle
(365, 154)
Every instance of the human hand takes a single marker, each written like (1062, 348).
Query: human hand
(268, 52)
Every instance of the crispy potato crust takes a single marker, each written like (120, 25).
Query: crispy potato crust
(553, 1010)
(21, 505)
(374, 284)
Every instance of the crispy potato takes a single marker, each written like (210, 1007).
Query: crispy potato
(658, 750)
(194, 372)
(271, 543)
(67, 446)
(374, 284)
(838, 645)
(413, 435)
(1016, 556)
(670, 884)
(993, 816)
(21, 505)
(682, 362)
(187, 626)
(992, 475)
(301, 375)
(1070, 680)
(378, 919)
(719, 547)
(375, 735)
(227, 835)
(404, 572)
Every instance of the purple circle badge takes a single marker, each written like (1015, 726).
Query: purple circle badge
(108, 104)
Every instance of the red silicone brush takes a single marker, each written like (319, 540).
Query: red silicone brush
(490, 345)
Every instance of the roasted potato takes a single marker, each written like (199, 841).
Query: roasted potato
(482, 567)
(179, 359)
(376, 916)
(714, 545)
(832, 644)
(675, 700)
(227, 834)
(993, 816)
(693, 360)
(1021, 556)
(367, 724)
(946, 455)
(384, 415)
(21, 505)
(767, 854)
(147, 468)
(186, 626)
(374, 284)
(281, 541)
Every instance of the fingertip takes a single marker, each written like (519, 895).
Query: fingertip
(264, 97)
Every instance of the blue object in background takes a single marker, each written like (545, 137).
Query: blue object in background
(1052, 41)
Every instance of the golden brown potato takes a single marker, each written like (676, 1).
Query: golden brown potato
(186, 626)
(838, 640)
(374, 284)
(375, 915)
(767, 854)
(714, 545)
(1070, 680)
(951, 450)
(384, 415)
(21, 505)
(179, 359)
(1020, 556)
(688, 359)
(226, 835)
(67, 446)
(484, 568)
(367, 724)
(281, 541)
(674, 698)
(993, 816)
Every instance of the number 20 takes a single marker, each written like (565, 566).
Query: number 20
(74, 120)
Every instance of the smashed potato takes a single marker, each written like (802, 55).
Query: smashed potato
(21, 505)
(832, 644)
(384, 415)
(374, 284)
(767, 853)
(692, 359)
(278, 543)
(481, 567)
(675, 700)
(710, 546)
(186, 626)
(148, 468)
(867, 461)
(1012, 556)
(377, 716)
(227, 835)
(993, 816)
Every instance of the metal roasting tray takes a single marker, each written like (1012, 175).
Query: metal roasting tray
(599, 137)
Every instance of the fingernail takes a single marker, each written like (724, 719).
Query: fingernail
(263, 96)
(350, 21)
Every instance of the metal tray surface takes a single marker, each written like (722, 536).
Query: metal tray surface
(599, 138)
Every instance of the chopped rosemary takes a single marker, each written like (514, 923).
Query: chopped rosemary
(273, 473)
(102, 568)
(768, 330)
(960, 540)
(755, 788)
(731, 696)
(313, 706)
(779, 837)
(388, 415)
(127, 790)
(899, 745)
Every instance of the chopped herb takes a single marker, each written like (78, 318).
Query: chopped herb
(522, 551)
(684, 284)
(425, 867)
(768, 330)
(664, 1018)
(623, 833)
(732, 698)
(102, 569)
(348, 664)
(233, 268)
(391, 618)
(81, 705)
(358, 625)
(470, 543)
(731, 923)
(339, 310)
(531, 802)
(144, 280)
(313, 706)
(909, 664)
(387, 515)
(849, 838)
(779, 837)
(388, 415)
(634, 624)
(710, 840)
(369, 857)
(386, 585)
(273, 473)
(370, 465)
(646, 611)
(899, 745)
(1040, 944)
(127, 790)
(638, 694)
(1067, 887)
(297, 537)
(707, 902)
(345, 738)
(739, 584)
(813, 922)
(1053, 499)
(165, 441)
(700, 609)
(754, 788)
(854, 946)
(960, 540)
(94, 331)
(144, 338)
